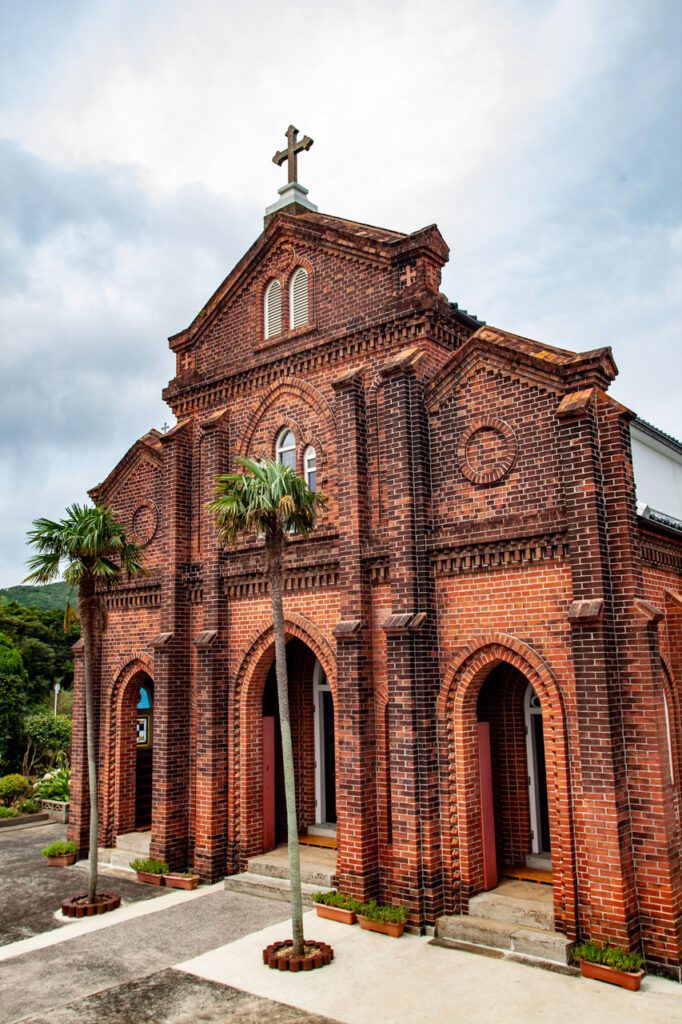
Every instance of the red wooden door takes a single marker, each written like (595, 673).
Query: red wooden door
(268, 784)
(485, 777)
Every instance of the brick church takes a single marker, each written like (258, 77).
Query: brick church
(484, 638)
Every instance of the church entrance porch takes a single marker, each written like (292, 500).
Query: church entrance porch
(512, 778)
(134, 750)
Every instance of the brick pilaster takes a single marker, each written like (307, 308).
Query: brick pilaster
(358, 866)
(606, 890)
(170, 792)
(210, 851)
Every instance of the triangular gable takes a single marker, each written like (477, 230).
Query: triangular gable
(541, 364)
(147, 448)
(348, 238)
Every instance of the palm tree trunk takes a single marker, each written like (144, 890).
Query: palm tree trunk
(275, 578)
(87, 614)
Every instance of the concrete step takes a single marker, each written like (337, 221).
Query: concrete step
(317, 865)
(270, 887)
(136, 843)
(530, 913)
(485, 932)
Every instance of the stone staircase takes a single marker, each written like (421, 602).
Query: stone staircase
(128, 847)
(515, 921)
(268, 874)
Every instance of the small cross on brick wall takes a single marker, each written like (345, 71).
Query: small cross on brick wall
(408, 276)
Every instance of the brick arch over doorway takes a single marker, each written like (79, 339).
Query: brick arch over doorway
(123, 704)
(460, 800)
(246, 760)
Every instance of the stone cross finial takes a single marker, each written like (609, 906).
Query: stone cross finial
(294, 147)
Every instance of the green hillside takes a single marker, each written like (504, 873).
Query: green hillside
(50, 596)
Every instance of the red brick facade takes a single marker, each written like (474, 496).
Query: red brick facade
(481, 536)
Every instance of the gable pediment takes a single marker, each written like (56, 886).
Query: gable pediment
(146, 450)
(523, 359)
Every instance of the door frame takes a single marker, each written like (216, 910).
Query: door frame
(320, 686)
(532, 708)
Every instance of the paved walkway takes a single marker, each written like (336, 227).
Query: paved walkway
(195, 958)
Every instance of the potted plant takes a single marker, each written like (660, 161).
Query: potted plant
(336, 907)
(60, 854)
(181, 879)
(609, 963)
(150, 870)
(383, 918)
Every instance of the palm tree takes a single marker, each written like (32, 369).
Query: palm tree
(93, 547)
(272, 500)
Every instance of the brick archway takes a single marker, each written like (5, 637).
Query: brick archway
(460, 801)
(246, 784)
(124, 700)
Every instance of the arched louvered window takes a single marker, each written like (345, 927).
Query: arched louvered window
(273, 309)
(310, 467)
(286, 448)
(298, 298)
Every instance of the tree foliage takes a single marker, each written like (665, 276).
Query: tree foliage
(45, 648)
(13, 683)
(47, 737)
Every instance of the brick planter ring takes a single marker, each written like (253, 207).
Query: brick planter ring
(307, 962)
(104, 901)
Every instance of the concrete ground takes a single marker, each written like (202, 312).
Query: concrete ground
(195, 958)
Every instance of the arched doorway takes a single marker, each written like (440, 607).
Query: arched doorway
(311, 710)
(515, 812)
(134, 753)
(143, 757)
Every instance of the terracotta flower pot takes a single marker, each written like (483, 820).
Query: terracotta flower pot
(336, 913)
(626, 979)
(393, 928)
(147, 876)
(62, 860)
(181, 881)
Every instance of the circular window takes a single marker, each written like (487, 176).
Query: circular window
(145, 522)
(486, 451)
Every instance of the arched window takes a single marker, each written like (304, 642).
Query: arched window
(286, 448)
(298, 299)
(273, 309)
(310, 467)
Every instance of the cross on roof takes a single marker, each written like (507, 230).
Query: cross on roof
(294, 147)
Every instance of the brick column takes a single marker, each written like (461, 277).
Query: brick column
(410, 648)
(606, 889)
(655, 824)
(358, 866)
(210, 853)
(170, 792)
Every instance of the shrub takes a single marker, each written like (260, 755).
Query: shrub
(29, 806)
(150, 865)
(8, 812)
(13, 682)
(54, 785)
(609, 956)
(47, 737)
(338, 900)
(384, 913)
(59, 848)
(11, 787)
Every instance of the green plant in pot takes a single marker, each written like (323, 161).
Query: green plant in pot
(612, 964)
(150, 870)
(335, 906)
(60, 853)
(384, 918)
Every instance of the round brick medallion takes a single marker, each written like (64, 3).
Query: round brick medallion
(145, 522)
(486, 451)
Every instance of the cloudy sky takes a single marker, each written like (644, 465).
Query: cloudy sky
(136, 139)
